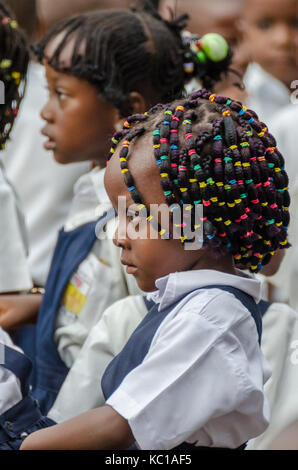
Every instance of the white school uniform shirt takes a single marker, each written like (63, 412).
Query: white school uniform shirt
(266, 95)
(14, 271)
(202, 378)
(105, 340)
(44, 186)
(99, 281)
(284, 129)
(280, 347)
(10, 387)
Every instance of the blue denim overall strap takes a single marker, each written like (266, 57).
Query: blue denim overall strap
(20, 365)
(263, 306)
(71, 249)
(16, 423)
(138, 345)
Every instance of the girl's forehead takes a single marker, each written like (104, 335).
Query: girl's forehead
(143, 169)
(66, 54)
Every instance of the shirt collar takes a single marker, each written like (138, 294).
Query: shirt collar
(175, 286)
(90, 200)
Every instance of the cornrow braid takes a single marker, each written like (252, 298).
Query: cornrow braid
(229, 163)
(121, 51)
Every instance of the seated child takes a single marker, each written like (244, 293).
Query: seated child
(191, 375)
(14, 57)
(89, 95)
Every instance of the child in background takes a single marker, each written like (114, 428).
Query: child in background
(14, 273)
(192, 373)
(271, 39)
(97, 88)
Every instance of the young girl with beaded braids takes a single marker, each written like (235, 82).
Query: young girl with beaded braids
(99, 67)
(191, 375)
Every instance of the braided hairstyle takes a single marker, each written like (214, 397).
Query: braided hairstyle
(127, 51)
(212, 151)
(14, 58)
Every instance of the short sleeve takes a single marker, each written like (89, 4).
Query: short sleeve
(194, 383)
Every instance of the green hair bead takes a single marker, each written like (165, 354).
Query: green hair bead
(215, 47)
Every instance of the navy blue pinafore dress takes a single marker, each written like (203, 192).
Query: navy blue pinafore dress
(71, 249)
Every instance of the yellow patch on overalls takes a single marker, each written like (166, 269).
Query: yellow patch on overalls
(73, 299)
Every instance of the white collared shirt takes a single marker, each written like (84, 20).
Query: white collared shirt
(266, 94)
(105, 340)
(14, 266)
(202, 378)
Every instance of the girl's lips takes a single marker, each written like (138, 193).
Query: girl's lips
(131, 269)
(49, 145)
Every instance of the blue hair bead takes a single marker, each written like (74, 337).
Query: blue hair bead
(132, 188)
(174, 147)
(158, 162)
(241, 112)
(233, 181)
(218, 137)
(251, 120)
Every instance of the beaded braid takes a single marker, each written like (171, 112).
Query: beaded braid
(225, 159)
(14, 58)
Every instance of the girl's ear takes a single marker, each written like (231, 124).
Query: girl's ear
(137, 102)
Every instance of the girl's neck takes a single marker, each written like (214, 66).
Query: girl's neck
(223, 264)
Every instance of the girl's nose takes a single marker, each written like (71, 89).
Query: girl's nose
(46, 113)
(120, 239)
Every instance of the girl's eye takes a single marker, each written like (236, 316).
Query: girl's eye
(61, 94)
(265, 23)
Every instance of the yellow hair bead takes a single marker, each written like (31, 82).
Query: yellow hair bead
(233, 147)
(193, 181)
(227, 222)
(183, 190)
(283, 243)
(149, 218)
(219, 184)
(231, 204)
(122, 159)
(203, 185)
(164, 175)
(157, 146)
(221, 204)
(237, 164)
(183, 239)
(124, 171)
(162, 232)
(212, 97)
(219, 219)
(214, 199)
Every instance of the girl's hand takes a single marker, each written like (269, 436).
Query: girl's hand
(18, 310)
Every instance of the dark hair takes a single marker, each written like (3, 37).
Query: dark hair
(25, 12)
(14, 58)
(126, 51)
(225, 159)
